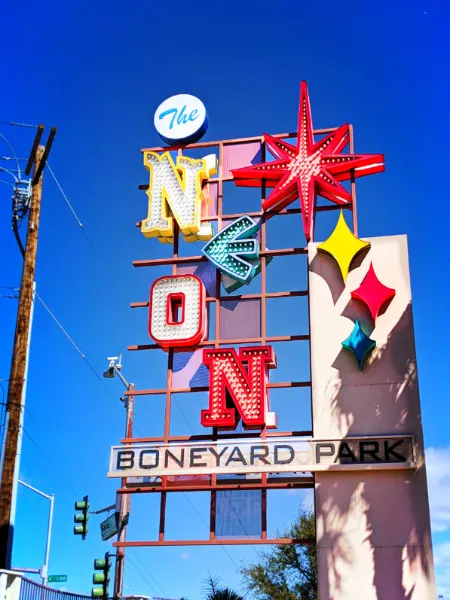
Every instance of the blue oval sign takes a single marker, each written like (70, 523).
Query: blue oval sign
(181, 118)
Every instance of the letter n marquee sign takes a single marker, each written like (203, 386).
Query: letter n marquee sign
(249, 307)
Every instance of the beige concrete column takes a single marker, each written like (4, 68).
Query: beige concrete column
(373, 528)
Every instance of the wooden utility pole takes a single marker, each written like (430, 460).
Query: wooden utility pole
(18, 363)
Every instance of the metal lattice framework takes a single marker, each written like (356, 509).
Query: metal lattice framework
(212, 483)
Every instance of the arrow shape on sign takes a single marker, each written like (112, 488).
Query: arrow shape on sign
(226, 249)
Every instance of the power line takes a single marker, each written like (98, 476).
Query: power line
(174, 396)
(154, 578)
(12, 152)
(223, 491)
(61, 477)
(32, 440)
(143, 576)
(83, 356)
(230, 503)
(184, 493)
(64, 195)
(205, 523)
(14, 123)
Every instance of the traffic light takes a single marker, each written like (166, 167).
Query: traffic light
(103, 565)
(81, 517)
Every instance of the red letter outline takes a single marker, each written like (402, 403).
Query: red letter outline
(246, 388)
(185, 342)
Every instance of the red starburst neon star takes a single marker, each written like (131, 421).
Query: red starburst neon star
(308, 169)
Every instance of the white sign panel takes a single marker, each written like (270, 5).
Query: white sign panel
(273, 455)
(181, 118)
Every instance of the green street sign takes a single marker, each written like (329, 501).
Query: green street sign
(57, 578)
(108, 527)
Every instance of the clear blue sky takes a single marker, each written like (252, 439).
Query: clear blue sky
(97, 71)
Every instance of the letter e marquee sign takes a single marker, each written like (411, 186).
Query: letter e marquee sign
(224, 303)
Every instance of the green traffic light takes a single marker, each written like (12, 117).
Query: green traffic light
(97, 593)
(99, 564)
(82, 517)
(98, 578)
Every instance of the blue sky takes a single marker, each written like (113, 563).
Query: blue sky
(97, 72)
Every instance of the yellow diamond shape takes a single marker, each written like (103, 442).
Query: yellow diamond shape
(343, 246)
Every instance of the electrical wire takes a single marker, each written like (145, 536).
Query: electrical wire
(8, 183)
(142, 575)
(14, 123)
(163, 591)
(184, 493)
(222, 491)
(83, 356)
(205, 523)
(64, 195)
(160, 369)
(12, 152)
(48, 454)
(198, 512)
(9, 173)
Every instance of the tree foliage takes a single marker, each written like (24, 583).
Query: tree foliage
(214, 591)
(287, 572)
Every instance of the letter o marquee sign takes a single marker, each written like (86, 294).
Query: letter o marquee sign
(177, 316)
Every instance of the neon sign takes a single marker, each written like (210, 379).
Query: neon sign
(309, 168)
(227, 249)
(175, 192)
(177, 311)
(246, 388)
(181, 118)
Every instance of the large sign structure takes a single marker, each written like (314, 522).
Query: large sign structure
(364, 442)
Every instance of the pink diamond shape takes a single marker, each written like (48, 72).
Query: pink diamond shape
(373, 293)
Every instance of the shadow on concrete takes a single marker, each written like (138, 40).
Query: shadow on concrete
(385, 411)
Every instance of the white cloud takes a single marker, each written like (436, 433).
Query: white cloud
(438, 472)
(443, 583)
(185, 556)
(442, 555)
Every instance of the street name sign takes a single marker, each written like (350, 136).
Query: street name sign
(108, 527)
(57, 578)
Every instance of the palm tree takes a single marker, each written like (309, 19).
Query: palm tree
(225, 594)
(214, 592)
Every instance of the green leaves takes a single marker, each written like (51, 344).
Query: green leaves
(213, 590)
(287, 572)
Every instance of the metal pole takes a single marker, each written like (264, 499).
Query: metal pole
(12, 518)
(122, 378)
(18, 363)
(33, 489)
(51, 497)
(49, 539)
(124, 504)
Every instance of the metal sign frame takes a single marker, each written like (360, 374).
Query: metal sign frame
(265, 481)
